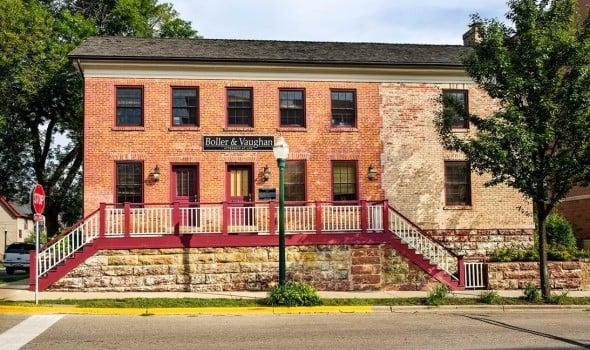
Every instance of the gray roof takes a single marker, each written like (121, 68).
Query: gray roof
(269, 51)
(22, 209)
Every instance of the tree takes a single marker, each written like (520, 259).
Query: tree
(41, 93)
(538, 141)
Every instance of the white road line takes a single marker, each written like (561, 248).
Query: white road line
(27, 330)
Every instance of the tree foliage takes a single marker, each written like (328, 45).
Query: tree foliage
(41, 93)
(537, 67)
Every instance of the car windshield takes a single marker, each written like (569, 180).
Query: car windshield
(19, 248)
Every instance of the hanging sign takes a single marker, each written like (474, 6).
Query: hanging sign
(238, 143)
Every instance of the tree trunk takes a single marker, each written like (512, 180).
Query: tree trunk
(51, 219)
(543, 271)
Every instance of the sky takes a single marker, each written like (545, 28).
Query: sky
(399, 21)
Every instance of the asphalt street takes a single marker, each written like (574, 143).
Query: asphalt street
(422, 330)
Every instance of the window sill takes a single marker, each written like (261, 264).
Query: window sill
(460, 131)
(457, 207)
(292, 128)
(128, 128)
(239, 128)
(184, 128)
(343, 129)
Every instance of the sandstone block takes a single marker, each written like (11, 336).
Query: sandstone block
(123, 260)
(157, 260)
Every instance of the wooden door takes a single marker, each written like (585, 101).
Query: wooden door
(239, 193)
(185, 189)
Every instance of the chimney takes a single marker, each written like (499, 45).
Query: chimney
(473, 35)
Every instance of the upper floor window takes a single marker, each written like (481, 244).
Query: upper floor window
(343, 108)
(292, 106)
(461, 99)
(129, 183)
(185, 106)
(295, 180)
(239, 107)
(344, 181)
(457, 183)
(129, 106)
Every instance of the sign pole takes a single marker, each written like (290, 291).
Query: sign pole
(37, 262)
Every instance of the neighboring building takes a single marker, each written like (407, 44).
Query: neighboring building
(16, 223)
(576, 208)
(160, 117)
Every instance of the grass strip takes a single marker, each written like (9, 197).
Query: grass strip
(196, 303)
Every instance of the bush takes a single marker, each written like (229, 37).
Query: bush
(559, 299)
(531, 293)
(42, 237)
(438, 295)
(559, 231)
(509, 254)
(293, 294)
(490, 297)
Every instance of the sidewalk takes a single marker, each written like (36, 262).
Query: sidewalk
(18, 291)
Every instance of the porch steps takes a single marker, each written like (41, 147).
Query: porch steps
(62, 269)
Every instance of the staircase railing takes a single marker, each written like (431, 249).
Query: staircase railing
(424, 244)
(67, 243)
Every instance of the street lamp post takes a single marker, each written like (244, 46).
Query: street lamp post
(281, 152)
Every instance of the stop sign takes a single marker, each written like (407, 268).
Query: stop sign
(38, 199)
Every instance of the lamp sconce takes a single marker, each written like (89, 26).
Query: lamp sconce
(156, 174)
(266, 173)
(371, 172)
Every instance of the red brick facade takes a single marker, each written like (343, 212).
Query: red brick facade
(158, 144)
(576, 209)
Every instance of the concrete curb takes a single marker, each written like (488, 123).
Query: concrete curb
(474, 308)
(74, 310)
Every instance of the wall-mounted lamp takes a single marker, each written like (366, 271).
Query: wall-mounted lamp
(372, 172)
(156, 174)
(266, 173)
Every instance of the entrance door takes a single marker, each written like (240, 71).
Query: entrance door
(185, 191)
(239, 189)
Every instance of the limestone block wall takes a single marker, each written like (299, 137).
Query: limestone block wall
(413, 173)
(327, 267)
(516, 275)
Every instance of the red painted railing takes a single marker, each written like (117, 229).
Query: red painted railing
(239, 218)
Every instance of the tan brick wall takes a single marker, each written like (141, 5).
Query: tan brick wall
(327, 267)
(516, 275)
(157, 145)
(413, 175)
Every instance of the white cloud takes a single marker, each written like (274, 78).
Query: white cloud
(425, 21)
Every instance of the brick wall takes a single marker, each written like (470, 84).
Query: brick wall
(413, 175)
(576, 208)
(157, 145)
(516, 275)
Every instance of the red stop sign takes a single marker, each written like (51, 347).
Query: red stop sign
(38, 199)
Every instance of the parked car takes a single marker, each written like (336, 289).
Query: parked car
(16, 257)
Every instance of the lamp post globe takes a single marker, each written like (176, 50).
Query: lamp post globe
(281, 152)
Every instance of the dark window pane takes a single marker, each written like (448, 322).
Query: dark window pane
(295, 181)
(292, 109)
(129, 182)
(343, 108)
(457, 183)
(239, 107)
(185, 106)
(185, 182)
(344, 181)
(460, 97)
(129, 106)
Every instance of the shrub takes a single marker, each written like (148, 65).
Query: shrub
(490, 297)
(438, 295)
(559, 299)
(559, 231)
(531, 293)
(293, 294)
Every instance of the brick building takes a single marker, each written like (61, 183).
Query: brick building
(178, 137)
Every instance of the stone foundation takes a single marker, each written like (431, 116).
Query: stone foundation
(327, 267)
(480, 243)
(516, 275)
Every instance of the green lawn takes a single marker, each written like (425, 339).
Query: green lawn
(193, 302)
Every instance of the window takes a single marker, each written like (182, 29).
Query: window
(185, 106)
(343, 108)
(129, 182)
(460, 97)
(129, 106)
(344, 184)
(457, 183)
(239, 107)
(292, 106)
(295, 181)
